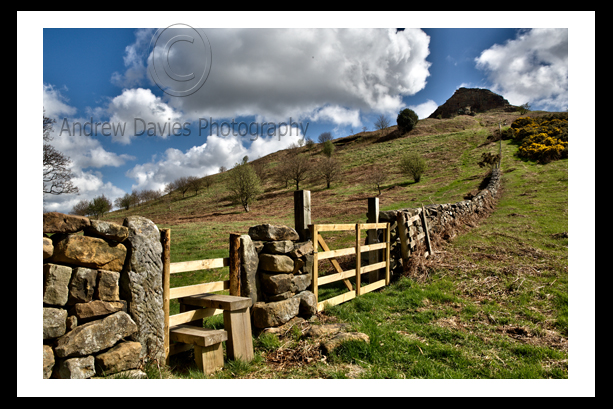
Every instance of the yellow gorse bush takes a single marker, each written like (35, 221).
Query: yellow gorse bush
(542, 139)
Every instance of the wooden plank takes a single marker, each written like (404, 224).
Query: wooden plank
(188, 290)
(358, 261)
(372, 287)
(190, 316)
(336, 253)
(209, 359)
(240, 342)
(204, 337)
(373, 267)
(235, 264)
(373, 236)
(339, 299)
(165, 238)
(412, 219)
(343, 275)
(371, 247)
(370, 226)
(219, 301)
(335, 227)
(335, 264)
(195, 265)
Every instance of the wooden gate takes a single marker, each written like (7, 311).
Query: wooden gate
(357, 272)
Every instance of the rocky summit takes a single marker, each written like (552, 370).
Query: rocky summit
(471, 100)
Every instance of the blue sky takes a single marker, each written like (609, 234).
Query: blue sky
(257, 76)
(322, 79)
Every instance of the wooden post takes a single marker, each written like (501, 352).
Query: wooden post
(402, 232)
(235, 265)
(314, 284)
(302, 214)
(373, 237)
(387, 254)
(424, 222)
(165, 239)
(358, 261)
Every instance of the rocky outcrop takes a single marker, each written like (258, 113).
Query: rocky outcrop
(471, 100)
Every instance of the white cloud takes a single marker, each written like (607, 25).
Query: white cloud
(206, 159)
(85, 152)
(282, 73)
(139, 112)
(425, 109)
(532, 68)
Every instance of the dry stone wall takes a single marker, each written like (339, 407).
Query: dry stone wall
(102, 296)
(277, 271)
(439, 216)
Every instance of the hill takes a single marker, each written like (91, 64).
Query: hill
(493, 303)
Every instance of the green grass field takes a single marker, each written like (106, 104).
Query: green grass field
(492, 304)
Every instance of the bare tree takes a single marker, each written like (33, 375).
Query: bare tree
(326, 136)
(81, 208)
(330, 170)
(222, 169)
(382, 122)
(57, 177)
(298, 168)
(376, 177)
(183, 184)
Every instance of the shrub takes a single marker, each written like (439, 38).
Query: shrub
(542, 139)
(328, 148)
(407, 119)
(413, 165)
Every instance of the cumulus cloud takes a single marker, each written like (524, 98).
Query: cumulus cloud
(206, 159)
(85, 152)
(425, 109)
(278, 73)
(531, 68)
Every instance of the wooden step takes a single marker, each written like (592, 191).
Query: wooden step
(203, 337)
(219, 301)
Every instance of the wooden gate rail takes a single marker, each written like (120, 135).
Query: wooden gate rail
(186, 291)
(357, 272)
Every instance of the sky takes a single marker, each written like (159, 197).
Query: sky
(315, 79)
(298, 67)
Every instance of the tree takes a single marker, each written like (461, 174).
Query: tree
(244, 185)
(382, 122)
(124, 202)
(376, 178)
(413, 165)
(184, 184)
(524, 108)
(297, 168)
(324, 137)
(407, 119)
(57, 177)
(328, 148)
(81, 208)
(330, 170)
(222, 169)
(310, 144)
(99, 206)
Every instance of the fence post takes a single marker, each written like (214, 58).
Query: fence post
(302, 214)
(358, 261)
(235, 265)
(314, 282)
(165, 239)
(373, 237)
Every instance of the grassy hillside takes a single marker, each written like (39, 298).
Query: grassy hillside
(492, 304)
